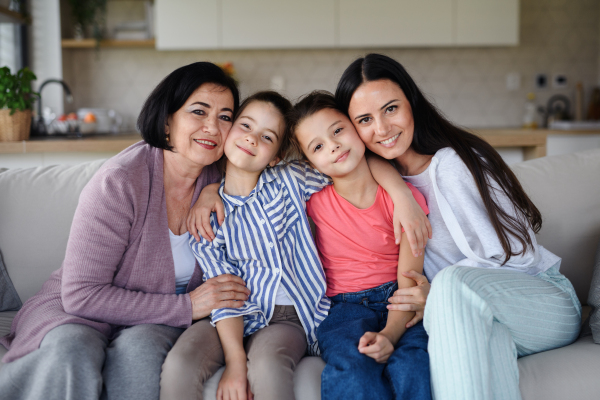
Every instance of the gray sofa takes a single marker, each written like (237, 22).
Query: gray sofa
(37, 206)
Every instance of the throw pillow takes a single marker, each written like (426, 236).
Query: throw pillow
(594, 300)
(9, 299)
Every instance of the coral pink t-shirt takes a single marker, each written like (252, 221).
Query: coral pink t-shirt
(356, 246)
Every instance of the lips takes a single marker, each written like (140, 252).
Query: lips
(342, 157)
(207, 144)
(389, 142)
(245, 150)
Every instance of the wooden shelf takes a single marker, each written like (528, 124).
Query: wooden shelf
(91, 43)
(10, 16)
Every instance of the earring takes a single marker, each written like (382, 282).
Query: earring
(168, 138)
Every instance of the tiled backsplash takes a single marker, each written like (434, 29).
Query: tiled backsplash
(467, 84)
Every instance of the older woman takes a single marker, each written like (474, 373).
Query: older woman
(129, 284)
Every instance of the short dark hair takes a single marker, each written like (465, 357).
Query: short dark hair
(282, 105)
(172, 93)
(308, 105)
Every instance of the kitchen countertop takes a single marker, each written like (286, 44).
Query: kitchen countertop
(533, 141)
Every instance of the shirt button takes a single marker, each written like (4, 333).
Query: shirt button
(276, 272)
(271, 245)
(262, 221)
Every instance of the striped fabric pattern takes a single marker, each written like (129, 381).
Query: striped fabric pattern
(266, 240)
(479, 320)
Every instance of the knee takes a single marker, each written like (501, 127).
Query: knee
(75, 346)
(143, 339)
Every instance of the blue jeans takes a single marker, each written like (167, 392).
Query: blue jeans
(352, 375)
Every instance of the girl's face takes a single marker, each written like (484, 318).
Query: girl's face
(383, 118)
(199, 128)
(255, 137)
(330, 142)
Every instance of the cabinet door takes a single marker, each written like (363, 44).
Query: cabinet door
(186, 24)
(278, 24)
(487, 22)
(395, 23)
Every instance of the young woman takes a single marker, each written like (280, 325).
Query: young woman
(370, 352)
(496, 294)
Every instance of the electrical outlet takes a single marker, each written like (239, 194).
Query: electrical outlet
(541, 81)
(513, 81)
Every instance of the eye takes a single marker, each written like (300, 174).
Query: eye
(245, 125)
(391, 109)
(226, 118)
(268, 138)
(364, 120)
(338, 130)
(199, 112)
(318, 147)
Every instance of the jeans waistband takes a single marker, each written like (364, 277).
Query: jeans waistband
(379, 294)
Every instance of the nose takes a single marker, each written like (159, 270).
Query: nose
(381, 126)
(251, 139)
(211, 126)
(334, 146)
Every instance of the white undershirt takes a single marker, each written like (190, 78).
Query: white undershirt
(183, 258)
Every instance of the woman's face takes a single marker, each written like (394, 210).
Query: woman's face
(255, 137)
(198, 130)
(383, 118)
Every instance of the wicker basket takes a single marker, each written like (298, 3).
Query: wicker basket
(14, 127)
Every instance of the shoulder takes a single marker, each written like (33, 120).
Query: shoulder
(450, 166)
(129, 169)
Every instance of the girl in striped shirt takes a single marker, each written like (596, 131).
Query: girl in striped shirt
(265, 238)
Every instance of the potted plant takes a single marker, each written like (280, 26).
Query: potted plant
(88, 13)
(16, 103)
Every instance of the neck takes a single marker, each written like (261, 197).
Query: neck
(179, 174)
(358, 186)
(239, 182)
(412, 163)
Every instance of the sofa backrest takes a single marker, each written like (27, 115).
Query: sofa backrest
(36, 209)
(566, 190)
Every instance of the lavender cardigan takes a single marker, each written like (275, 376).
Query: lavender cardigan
(118, 269)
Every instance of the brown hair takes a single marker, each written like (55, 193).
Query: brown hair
(308, 105)
(433, 132)
(282, 105)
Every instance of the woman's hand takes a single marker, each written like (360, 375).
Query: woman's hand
(234, 382)
(376, 345)
(411, 299)
(198, 220)
(409, 215)
(223, 291)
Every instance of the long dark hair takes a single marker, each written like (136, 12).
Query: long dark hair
(432, 132)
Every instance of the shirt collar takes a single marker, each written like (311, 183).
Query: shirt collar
(267, 176)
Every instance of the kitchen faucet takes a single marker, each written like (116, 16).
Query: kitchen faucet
(40, 126)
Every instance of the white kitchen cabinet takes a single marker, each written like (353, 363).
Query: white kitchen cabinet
(187, 24)
(487, 22)
(278, 24)
(392, 23)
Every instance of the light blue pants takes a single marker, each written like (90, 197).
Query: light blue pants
(480, 320)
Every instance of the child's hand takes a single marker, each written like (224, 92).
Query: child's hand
(198, 220)
(234, 383)
(376, 345)
(412, 298)
(410, 216)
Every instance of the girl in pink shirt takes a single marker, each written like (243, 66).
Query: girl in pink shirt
(370, 352)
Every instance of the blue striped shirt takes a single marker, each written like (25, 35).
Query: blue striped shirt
(266, 240)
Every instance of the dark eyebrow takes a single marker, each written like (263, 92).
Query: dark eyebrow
(208, 106)
(388, 103)
(336, 122)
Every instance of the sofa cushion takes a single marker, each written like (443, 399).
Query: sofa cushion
(570, 372)
(566, 190)
(9, 299)
(36, 209)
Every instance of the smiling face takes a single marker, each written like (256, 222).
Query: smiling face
(330, 142)
(255, 137)
(383, 118)
(197, 131)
